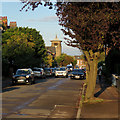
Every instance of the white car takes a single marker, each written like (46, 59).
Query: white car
(61, 72)
(39, 72)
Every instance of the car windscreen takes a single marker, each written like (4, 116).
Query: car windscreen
(77, 71)
(47, 69)
(61, 69)
(34, 69)
(20, 72)
(69, 66)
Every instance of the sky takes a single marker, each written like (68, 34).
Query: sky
(42, 19)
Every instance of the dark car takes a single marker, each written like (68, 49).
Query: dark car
(48, 71)
(77, 74)
(53, 71)
(84, 70)
(23, 76)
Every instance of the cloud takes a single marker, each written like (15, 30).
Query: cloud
(45, 19)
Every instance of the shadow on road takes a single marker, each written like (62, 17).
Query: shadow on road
(10, 89)
(40, 80)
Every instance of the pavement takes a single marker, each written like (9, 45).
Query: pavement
(106, 109)
(6, 82)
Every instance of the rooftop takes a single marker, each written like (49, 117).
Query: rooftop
(56, 39)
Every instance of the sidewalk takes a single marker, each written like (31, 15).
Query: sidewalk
(106, 109)
(6, 82)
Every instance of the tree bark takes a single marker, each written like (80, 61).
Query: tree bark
(91, 75)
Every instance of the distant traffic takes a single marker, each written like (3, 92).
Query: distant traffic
(28, 75)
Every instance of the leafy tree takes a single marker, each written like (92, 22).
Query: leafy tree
(90, 26)
(65, 59)
(50, 60)
(16, 47)
(23, 47)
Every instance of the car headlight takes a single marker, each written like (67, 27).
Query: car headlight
(27, 76)
(64, 73)
(56, 73)
(82, 75)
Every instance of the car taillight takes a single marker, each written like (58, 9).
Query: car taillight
(40, 72)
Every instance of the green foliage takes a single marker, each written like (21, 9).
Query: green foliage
(23, 47)
(65, 59)
(50, 60)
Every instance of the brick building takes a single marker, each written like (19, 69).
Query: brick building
(4, 22)
(13, 24)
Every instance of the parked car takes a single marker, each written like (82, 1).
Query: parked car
(61, 72)
(77, 74)
(48, 71)
(23, 76)
(69, 68)
(39, 72)
(84, 70)
(53, 71)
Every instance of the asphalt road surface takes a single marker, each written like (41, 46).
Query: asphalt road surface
(44, 99)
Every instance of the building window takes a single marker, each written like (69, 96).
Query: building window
(55, 44)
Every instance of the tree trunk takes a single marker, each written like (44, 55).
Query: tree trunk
(91, 81)
(91, 67)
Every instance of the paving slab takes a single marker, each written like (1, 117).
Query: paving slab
(61, 111)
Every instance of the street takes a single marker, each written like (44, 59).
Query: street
(47, 98)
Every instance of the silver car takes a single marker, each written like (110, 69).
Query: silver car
(39, 72)
(61, 72)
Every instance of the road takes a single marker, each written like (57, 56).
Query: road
(47, 98)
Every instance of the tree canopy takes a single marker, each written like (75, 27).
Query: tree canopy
(64, 60)
(23, 47)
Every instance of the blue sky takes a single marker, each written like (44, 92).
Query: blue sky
(42, 19)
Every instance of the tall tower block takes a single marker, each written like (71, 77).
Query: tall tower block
(57, 44)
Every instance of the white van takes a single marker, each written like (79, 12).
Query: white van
(69, 68)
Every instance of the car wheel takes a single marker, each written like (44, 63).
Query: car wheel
(66, 76)
(33, 81)
(13, 83)
(44, 77)
(29, 82)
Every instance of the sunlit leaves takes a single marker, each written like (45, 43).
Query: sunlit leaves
(65, 59)
(23, 46)
(89, 22)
